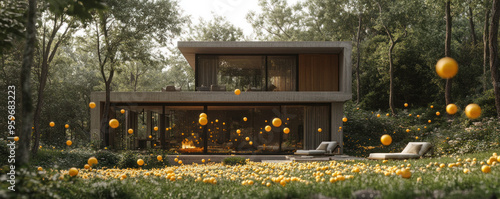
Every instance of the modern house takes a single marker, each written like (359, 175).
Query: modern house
(303, 83)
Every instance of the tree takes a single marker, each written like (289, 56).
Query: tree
(51, 41)
(12, 21)
(27, 102)
(485, 47)
(494, 61)
(130, 20)
(394, 19)
(217, 29)
(447, 50)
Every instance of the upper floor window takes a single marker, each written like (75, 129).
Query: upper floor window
(246, 72)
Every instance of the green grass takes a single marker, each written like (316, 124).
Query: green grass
(449, 183)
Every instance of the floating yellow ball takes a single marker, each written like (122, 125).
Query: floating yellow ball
(432, 106)
(286, 130)
(446, 67)
(473, 111)
(319, 130)
(150, 137)
(113, 123)
(66, 126)
(122, 111)
(486, 169)
(237, 92)
(16, 138)
(386, 139)
(92, 161)
(268, 128)
(140, 162)
(438, 113)
(451, 109)
(250, 143)
(238, 131)
(247, 139)
(406, 104)
(159, 158)
(69, 142)
(344, 119)
(203, 121)
(276, 122)
(87, 166)
(202, 160)
(245, 119)
(130, 131)
(203, 115)
(73, 172)
(52, 124)
(180, 162)
(155, 128)
(406, 173)
(92, 105)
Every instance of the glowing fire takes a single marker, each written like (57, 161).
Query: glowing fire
(188, 147)
(188, 144)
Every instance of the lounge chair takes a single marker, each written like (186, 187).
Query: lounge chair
(412, 150)
(325, 148)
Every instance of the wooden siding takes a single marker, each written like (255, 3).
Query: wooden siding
(318, 72)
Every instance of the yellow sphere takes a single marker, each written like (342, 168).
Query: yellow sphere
(92, 161)
(276, 122)
(438, 113)
(159, 158)
(378, 115)
(176, 159)
(247, 139)
(250, 143)
(344, 119)
(66, 126)
(16, 138)
(386, 139)
(180, 162)
(92, 105)
(203, 160)
(237, 92)
(40, 169)
(446, 67)
(432, 106)
(319, 130)
(451, 109)
(406, 104)
(150, 137)
(473, 111)
(486, 169)
(203, 121)
(238, 131)
(286, 130)
(69, 142)
(406, 173)
(87, 166)
(130, 131)
(407, 130)
(203, 115)
(122, 111)
(268, 128)
(140, 162)
(155, 128)
(73, 172)
(113, 123)
(245, 119)
(52, 124)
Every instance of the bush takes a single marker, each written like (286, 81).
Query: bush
(234, 161)
(129, 160)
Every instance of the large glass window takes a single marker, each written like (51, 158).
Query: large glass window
(184, 133)
(246, 72)
(281, 71)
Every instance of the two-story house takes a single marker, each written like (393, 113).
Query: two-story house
(303, 83)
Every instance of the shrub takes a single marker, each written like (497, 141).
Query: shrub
(234, 161)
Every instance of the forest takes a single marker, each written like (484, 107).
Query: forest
(78, 47)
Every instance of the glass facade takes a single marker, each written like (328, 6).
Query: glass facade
(246, 72)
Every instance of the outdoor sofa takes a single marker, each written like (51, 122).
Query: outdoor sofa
(412, 151)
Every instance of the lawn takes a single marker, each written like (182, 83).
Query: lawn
(275, 180)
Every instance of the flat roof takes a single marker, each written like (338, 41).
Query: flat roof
(190, 48)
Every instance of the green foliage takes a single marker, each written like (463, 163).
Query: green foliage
(12, 21)
(129, 160)
(234, 161)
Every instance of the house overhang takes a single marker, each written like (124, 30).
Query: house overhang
(189, 49)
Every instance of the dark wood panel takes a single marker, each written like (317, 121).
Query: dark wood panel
(318, 72)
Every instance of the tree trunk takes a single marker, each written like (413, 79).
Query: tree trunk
(38, 109)
(22, 158)
(494, 53)
(391, 77)
(485, 48)
(447, 51)
(471, 24)
(358, 87)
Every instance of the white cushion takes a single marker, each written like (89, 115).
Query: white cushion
(383, 156)
(425, 147)
(310, 152)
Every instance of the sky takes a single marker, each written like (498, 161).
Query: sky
(235, 11)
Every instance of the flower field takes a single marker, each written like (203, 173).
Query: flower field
(439, 177)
